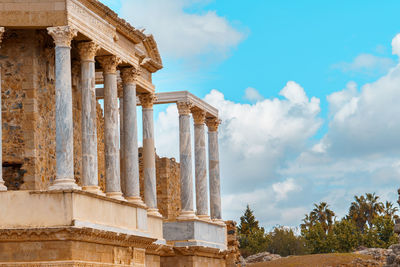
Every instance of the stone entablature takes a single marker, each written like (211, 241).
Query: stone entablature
(95, 22)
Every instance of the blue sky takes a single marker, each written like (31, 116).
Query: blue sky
(320, 111)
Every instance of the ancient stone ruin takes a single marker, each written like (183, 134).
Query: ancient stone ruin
(75, 188)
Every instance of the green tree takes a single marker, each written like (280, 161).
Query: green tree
(248, 222)
(347, 236)
(283, 241)
(317, 239)
(252, 237)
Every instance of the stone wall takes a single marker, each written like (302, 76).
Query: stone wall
(27, 59)
(233, 256)
(168, 185)
(101, 157)
(77, 115)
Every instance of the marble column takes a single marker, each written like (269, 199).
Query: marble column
(111, 133)
(199, 117)
(121, 144)
(185, 156)
(213, 162)
(130, 147)
(90, 181)
(149, 156)
(64, 180)
(2, 186)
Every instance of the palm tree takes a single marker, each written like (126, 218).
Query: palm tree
(364, 209)
(357, 212)
(389, 210)
(323, 215)
(374, 207)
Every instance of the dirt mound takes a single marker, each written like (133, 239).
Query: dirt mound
(322, 260)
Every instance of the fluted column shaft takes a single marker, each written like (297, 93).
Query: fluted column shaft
(2, 186)
(185, 156)
(213, 157)
(111, 133)
(130, 147)
(200, 165)
(90, 181)
(149, 159)
(64, 126)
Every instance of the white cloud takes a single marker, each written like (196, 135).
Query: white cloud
(252, 95)
(367, 64)
(396, 45)
(180, 33)
(283, 188)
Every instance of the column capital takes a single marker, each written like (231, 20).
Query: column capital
(62, 35)
(213, 124)
(109, 63)
(147, 100)
(199, 116)
(2, 30)
(184, 107)
(88, 50)
(130, 75)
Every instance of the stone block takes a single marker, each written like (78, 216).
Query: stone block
(195, 233)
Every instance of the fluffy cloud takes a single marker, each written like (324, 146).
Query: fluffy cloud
(283, 188)
(252, 95)
(178, 32)
(367, 64)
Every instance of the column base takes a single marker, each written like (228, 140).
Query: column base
(64, 184)
(205, 218)
(136, 200)
(219, 221)
(93, 189)
(154, 212)
(187, 215)
(115, 195)
(2, 187)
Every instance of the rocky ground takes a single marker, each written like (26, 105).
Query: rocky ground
(373, 257)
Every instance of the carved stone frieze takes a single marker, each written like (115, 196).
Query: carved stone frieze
(184, 107)
(130, 75)
(200, 251)
(109, 63)
(213, 124)
(76, 234)
(88, 50)
(62, 35)
(147, 100)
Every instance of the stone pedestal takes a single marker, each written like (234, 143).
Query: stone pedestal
(196, 233)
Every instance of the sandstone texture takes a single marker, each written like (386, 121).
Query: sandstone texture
(262, 257)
